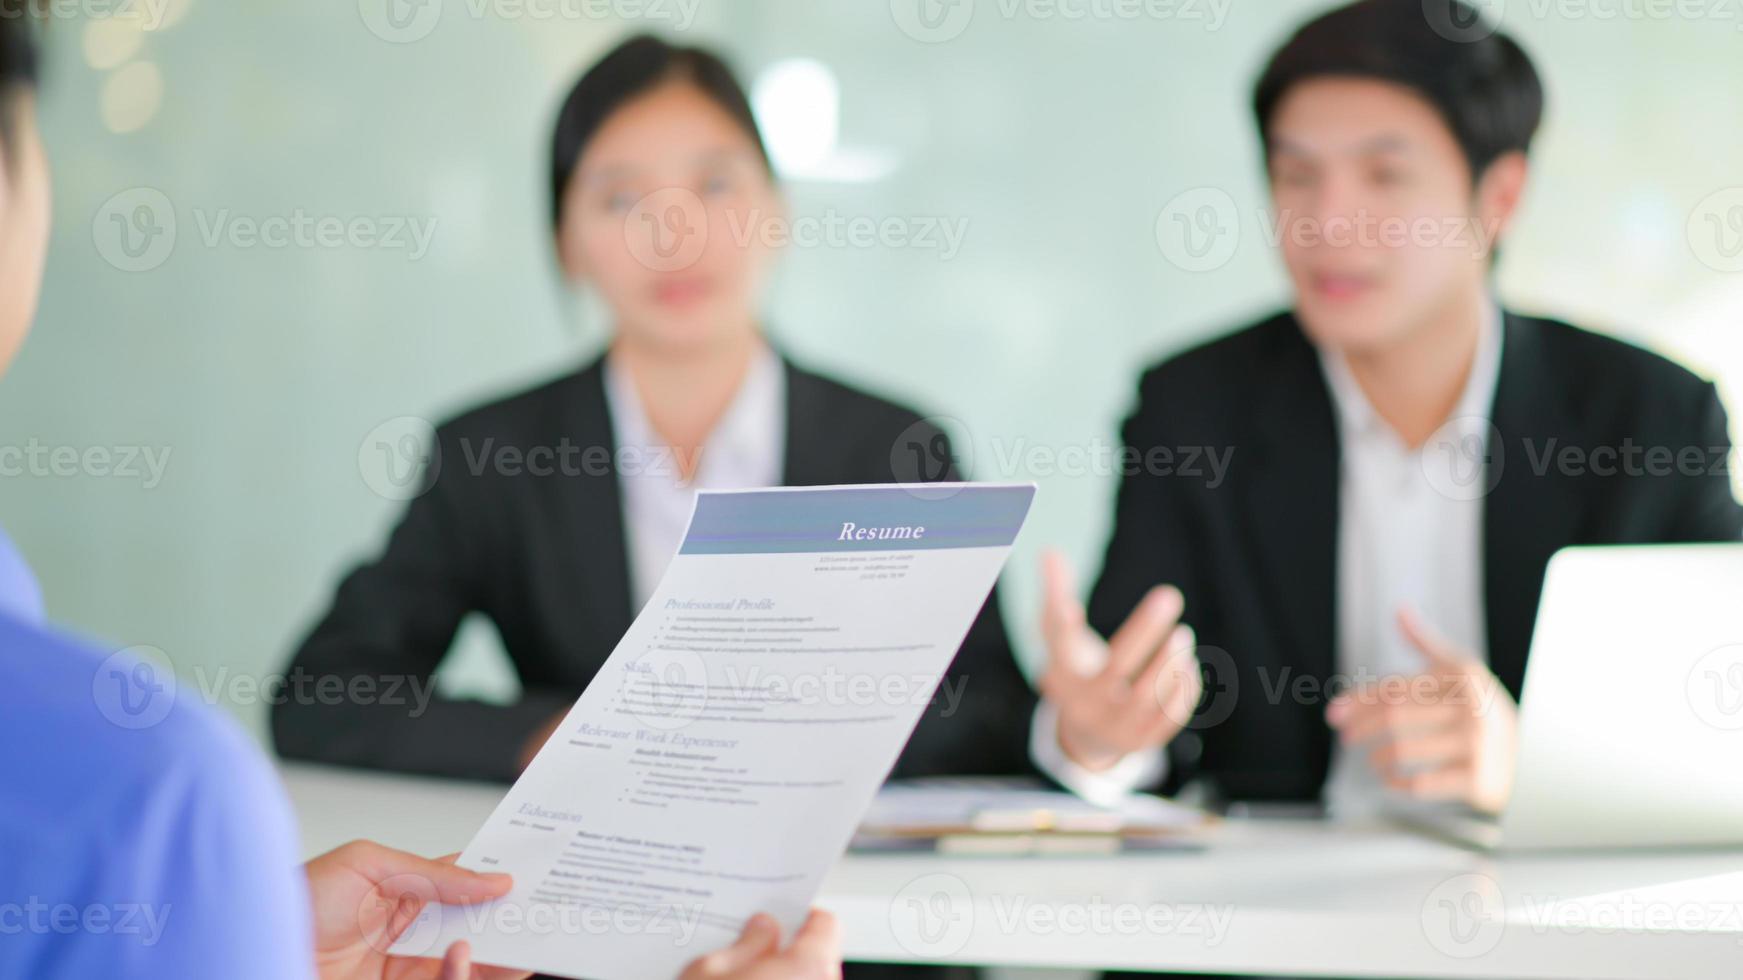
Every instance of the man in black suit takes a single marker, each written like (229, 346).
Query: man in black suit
(1406, 457)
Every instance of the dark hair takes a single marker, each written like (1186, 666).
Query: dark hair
(631, 69)
(1479, 80)
(18, 60)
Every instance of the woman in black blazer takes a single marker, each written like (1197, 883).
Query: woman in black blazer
(552, 511)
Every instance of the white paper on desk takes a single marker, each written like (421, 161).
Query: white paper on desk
(997, 805)
(718, 763)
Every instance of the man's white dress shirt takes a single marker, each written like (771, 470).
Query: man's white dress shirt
(1410, 531)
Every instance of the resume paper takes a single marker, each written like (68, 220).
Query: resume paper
(721, 759)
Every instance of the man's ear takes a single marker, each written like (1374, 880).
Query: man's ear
(1499, 194)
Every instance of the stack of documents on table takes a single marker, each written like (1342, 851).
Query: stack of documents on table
(998, 816)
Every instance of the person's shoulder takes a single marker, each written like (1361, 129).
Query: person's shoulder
(118, 775)
(1603, 357)
(845, 402)
(1229, 367)
(77, 713)
(527, 410)
(1612, 382)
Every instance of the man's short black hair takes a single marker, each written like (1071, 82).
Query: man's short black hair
(18, 60)
(1479, 80)
(631, 69)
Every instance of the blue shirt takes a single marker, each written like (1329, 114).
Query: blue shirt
(141, 833)
(19, 595)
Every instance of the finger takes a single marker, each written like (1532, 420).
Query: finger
(1433, 750)
(397, 872)
(1062, 616)
(1446, 783)
(1344, 706)
(457, 962)
(1183, 700)
(760, 937)
(1397, 690)
(817, 945)
(1400, 690)
(1142, 633)
(1439, 651)
(407, 906)
(1171, 674)
(1364, 722)
(1175, 715)
(457, 965)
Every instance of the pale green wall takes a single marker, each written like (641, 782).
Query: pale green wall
(1058, 141)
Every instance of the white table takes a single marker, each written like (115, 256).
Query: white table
(1277, 897)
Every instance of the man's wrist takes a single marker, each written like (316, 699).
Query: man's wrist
(1083, 753)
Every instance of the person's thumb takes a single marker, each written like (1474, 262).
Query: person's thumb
(397, 871)
(1062, 617)
(817, 945)
(457, 962)
(1441, 654)
(760, 937)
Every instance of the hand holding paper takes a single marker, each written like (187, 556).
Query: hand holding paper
(718, 764)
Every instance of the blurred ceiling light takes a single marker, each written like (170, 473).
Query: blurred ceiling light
(131, 96)
(854, 165)
(112, 40)
(798, 105)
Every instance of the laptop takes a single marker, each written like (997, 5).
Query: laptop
(1631, 720)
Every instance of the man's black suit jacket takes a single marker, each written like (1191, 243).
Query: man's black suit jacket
(544, 557)
(1255, 555)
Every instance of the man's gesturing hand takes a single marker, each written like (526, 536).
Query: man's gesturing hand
(1449, 733)
(1132, 692)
